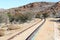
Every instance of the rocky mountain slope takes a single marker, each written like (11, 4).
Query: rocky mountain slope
(34, 7)
(42, 7)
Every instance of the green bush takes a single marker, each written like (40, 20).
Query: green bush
(25, 16)
(45, 15)
(11, 18)
(1, 19)
(37, 15)
(22, 17)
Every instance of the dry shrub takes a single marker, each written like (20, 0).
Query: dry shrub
(2, 31)
(21, 18)
(13, 27)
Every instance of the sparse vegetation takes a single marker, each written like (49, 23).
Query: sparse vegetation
(13, 27)
(41, 15)
(26, 13)
(25, 16)
(37, 15)
(45, 15)
(1, 19)
(11, 18)
(22, 17)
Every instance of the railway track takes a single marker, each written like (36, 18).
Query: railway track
(22, 31)
(34, 32)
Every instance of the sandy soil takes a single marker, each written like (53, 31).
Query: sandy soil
(10, 33)
(57, 31)
(46, 32)
(26, 33)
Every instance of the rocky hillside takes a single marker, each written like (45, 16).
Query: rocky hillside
(50, 8)
(33, 7)
(53, 10)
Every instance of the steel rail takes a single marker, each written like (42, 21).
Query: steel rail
(35, 31)
(23, 31)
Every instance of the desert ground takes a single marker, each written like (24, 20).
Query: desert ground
(46, 32)
(57, 31)
(10, 33)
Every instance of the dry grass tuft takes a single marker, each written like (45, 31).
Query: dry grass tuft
(2, 31)
(13, 27)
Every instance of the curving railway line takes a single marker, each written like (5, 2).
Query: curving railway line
(31, 34)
